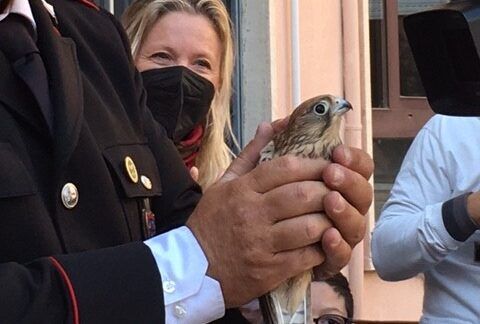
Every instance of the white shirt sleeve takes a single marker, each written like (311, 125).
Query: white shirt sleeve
(190, 295)
(410, 236)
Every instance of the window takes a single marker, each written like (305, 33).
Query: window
(398, 99)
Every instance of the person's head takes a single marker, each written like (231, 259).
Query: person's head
(196, 34)
(331, 296)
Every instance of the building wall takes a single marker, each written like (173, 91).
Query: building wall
(293, 50)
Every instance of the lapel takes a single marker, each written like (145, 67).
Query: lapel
(65, 84)
(30, 70)
(12, 95)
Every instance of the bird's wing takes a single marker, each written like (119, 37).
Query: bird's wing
(267, 152)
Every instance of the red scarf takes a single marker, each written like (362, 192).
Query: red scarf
(190, 146)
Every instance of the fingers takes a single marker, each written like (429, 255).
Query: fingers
(355, 159)
(296, 261)
(248, 158)
(282, 170)
(473, 207)
(299, 231)
(337, 254)
(293, 199)
(351, 194)
(346, 218)
(352, 185)
(194, 173)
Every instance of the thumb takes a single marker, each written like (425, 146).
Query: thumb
(248, 158)
(194, 173)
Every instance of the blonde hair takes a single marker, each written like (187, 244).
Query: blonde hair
(214, 155)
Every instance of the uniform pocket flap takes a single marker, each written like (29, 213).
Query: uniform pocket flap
(136, 169)
(15, 181)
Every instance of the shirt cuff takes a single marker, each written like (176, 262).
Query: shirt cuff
(456, 218)
(434, 232)
(190, 295)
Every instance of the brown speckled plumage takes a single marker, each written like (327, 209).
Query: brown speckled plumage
(313, 132)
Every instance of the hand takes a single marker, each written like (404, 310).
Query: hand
(194, 173)
(345, 205)
(473, 207)
(246, 224)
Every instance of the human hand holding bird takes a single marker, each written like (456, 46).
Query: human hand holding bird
(259, 224)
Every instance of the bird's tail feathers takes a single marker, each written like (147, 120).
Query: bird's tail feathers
(281, 305)
(271, 309)
(293, 291)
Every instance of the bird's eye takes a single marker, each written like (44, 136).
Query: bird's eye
(321, 108)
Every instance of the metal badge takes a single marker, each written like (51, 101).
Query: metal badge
(69, 195)
(148, 219)
(131, 169)
(147, 183)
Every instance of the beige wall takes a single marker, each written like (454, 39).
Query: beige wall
(392, 300)
(320, 46)
(334, 58)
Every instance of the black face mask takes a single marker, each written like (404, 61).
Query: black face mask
(178, 98)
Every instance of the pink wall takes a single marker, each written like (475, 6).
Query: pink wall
(392, 300)
(321, 47)
(334, 59)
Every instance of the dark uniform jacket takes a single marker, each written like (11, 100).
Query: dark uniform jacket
(85, 264)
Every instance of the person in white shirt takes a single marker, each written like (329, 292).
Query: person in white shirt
(429, 225)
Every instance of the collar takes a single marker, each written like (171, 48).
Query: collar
(22, 7)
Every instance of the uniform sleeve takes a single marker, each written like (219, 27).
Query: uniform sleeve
(410, 236)
(83, 288)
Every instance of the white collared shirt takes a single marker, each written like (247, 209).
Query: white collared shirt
(19, 7)
(411, 238)
(22, 7)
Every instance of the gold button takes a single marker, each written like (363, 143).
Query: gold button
(69, 195)
(131, 169)
(147, 183)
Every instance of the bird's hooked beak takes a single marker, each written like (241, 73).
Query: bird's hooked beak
(341, 106)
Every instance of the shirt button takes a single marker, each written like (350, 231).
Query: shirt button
(169, 286)
(69, 195)
(180, 311)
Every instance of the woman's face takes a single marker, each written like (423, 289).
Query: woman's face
(326, 301)
(180, 38)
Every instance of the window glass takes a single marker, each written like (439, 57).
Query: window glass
(104, 3)
(378, 54)
(120, 6)
(388, 154)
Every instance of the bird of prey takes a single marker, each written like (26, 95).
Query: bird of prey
(313, 131)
